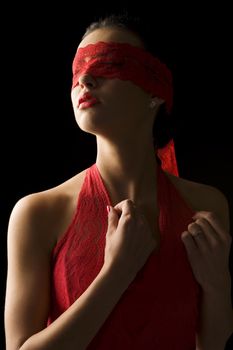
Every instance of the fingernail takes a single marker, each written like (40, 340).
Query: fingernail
(109, 208)
(183, 234)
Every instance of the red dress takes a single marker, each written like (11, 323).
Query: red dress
(159, 309)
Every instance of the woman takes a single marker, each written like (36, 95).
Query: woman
(153, 272)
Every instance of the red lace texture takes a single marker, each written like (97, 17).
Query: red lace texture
(168, 158)
(127, 62)
(159, 309)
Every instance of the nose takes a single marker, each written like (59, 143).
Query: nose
(87, 80)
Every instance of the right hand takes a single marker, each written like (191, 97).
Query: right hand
(129, 240)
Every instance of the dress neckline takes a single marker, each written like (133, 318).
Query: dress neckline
(160, 199)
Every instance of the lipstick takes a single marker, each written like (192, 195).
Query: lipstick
(86, 97)
(88, 103)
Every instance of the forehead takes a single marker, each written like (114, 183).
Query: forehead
(111, 34)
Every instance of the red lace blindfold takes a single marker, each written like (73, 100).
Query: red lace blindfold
(126, 62)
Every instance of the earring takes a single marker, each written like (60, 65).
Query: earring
(152, 104)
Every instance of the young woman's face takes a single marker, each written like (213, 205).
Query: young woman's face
(122, 106)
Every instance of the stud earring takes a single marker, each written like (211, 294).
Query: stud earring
(152, 104)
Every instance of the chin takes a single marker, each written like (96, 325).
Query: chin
(92, 122)
(91, 126)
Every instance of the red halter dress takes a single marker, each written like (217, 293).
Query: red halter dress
(159, 309)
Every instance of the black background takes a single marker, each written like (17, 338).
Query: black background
(41, 145)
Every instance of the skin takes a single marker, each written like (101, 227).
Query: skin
(208, 252)
(39, 220)
(123, 107)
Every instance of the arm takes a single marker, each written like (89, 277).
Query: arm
(208, 254)
(77, 326)
(28, 280)
(216, 321)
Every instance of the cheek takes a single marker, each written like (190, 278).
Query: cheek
(131, 103)
(133, 95)
(74, 97)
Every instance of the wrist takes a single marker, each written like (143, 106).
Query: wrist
(223, 288)
(116, 276)
(218, 297)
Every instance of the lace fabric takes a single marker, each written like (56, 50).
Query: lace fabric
(167, 155)
(159, 309)
(126, 62)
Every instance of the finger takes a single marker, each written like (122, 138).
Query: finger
(198, 237)
(197, 233)
(195, 230)
(190, 245)
(113, 218)
(119, 206)
(122, 204)
(127, 207)
(211, 234)
(214, 221)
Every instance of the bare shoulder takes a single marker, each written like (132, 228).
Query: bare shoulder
(203, 197)
(35, 222)
(49, 211)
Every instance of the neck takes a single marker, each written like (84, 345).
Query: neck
(128, 170)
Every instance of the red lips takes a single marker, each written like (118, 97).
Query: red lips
(87, 97)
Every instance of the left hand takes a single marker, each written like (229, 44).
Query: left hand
(208, 247)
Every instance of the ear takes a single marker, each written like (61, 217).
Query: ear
(156, 101)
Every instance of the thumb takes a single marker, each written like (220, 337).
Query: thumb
(113, 217)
